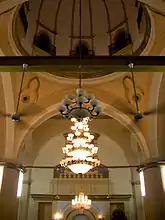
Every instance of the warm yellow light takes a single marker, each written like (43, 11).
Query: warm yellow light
(57, 216)
(81, 202)
(20, 184)
(163, 176)
(142, 184)
(1, 175)
(100, 216)
(80, 153)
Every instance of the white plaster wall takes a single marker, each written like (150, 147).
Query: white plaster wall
(109, 153)
(157, 4)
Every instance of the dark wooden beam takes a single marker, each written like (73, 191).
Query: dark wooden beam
(95, 65)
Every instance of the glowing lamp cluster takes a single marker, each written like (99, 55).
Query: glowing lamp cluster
(80, 150)
(81, 202)
(81, 106)
(79, 144)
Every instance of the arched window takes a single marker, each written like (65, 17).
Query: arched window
(122, 39)
(43, 42)
(81, 49)
(23, 15)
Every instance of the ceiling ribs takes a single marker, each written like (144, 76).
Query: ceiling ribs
(37, 23)
(46, 28)
(108, 20)
(72, 25)
(127, 25)
(55, 22)
(91, 26)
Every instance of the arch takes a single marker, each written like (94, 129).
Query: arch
(154, 100)
(122, 39)
(81, 217)
(87, 213)
(106, 109)
(69, 213)
(42, 41)
(9, 106)
(82, 48)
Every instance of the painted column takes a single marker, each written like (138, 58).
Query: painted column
(10, 178)
(153, 190)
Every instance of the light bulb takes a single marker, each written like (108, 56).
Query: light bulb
(80, 92)
(92, 137)
(70, 96)
(77, 133)
(89, 96)
(86, 134)
(73, 128)
(97, 110)
(94, 102)
(73, 120)
(61, 108)
(66, 102)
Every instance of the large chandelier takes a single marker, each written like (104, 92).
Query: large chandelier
(81, 202)
(80, 150)
(80, 143)
(81, 106)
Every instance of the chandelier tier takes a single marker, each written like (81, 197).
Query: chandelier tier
(81, 106)
(80, 150)
(81, 202)
(80, 143)
(80, 166)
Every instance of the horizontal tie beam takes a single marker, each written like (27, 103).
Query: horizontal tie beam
(98, 65)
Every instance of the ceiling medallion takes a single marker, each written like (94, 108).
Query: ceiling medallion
(81, 202)
(81, 106)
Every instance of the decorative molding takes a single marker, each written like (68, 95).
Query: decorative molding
(49, 197)
(150, 165)
(30, 94)
(18, 167)
(9, 107)
(129, 93)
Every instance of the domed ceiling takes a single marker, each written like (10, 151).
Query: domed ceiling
(97, 27)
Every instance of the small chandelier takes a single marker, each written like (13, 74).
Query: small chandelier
(81, 106)
(81, 202)
(80, 166)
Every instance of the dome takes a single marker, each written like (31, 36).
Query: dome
(108, 27)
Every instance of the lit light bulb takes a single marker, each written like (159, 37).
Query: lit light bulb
(68, 146)
(57, 216)
(86, 134)
(77, 133)
(69, 138)
(73, 120)
(70, 135)
(92, 137)
(86, 128)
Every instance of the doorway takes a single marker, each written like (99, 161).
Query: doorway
(81, 217)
